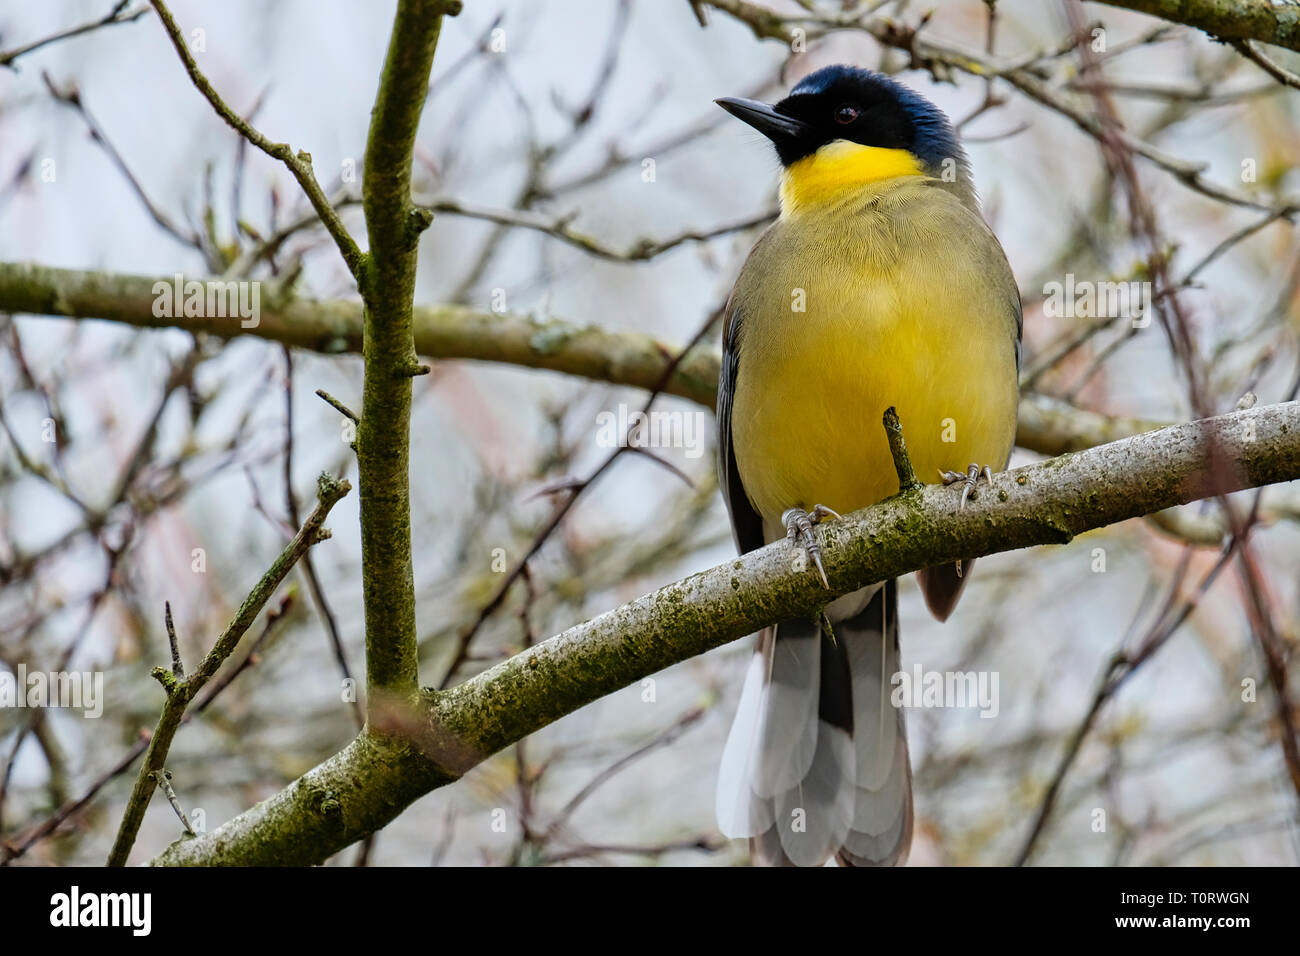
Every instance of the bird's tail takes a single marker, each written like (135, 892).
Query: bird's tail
(816, 762)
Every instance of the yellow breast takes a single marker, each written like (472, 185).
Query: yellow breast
(898, 301)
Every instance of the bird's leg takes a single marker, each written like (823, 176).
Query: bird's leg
(798, 528)
(970, 479)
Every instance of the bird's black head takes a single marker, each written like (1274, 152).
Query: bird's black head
(861, 106)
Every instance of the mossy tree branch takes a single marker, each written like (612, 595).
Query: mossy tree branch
(365, 786)
(1262, 20)
(387, 284)
(386, 279)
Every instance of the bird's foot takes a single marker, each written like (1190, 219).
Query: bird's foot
(798, 529)
(970, 480)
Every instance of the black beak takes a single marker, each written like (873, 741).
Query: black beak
(777, 127)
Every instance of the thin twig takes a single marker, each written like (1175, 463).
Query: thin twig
(907, 480)
(1121, 667)
(1253, 53)
(114, 16)
(178, 669)
(299, 164)
(337, 405)
(664, 738)
(558, 227)
(180, 692)
(72, 99)
(163, 778)
(573, 492)
(17, 846)
(308, 565)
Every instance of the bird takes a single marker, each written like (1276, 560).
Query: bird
(878, 285)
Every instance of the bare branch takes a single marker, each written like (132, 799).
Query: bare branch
(299, 164)
(1047, 426)
(17, 846)
(559, 228)
(119, 14)
(181, 691)
(1257, 56)
(366, 785)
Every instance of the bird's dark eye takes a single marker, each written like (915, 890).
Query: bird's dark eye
(846, 114)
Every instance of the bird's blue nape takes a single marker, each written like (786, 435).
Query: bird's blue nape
(934, 138)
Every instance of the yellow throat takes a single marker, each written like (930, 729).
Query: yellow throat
(839, 167)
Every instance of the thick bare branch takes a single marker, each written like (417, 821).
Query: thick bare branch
(369, 783)
(1047, 426)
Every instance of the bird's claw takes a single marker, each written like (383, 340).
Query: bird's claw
(798, 528)
(970, 480)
